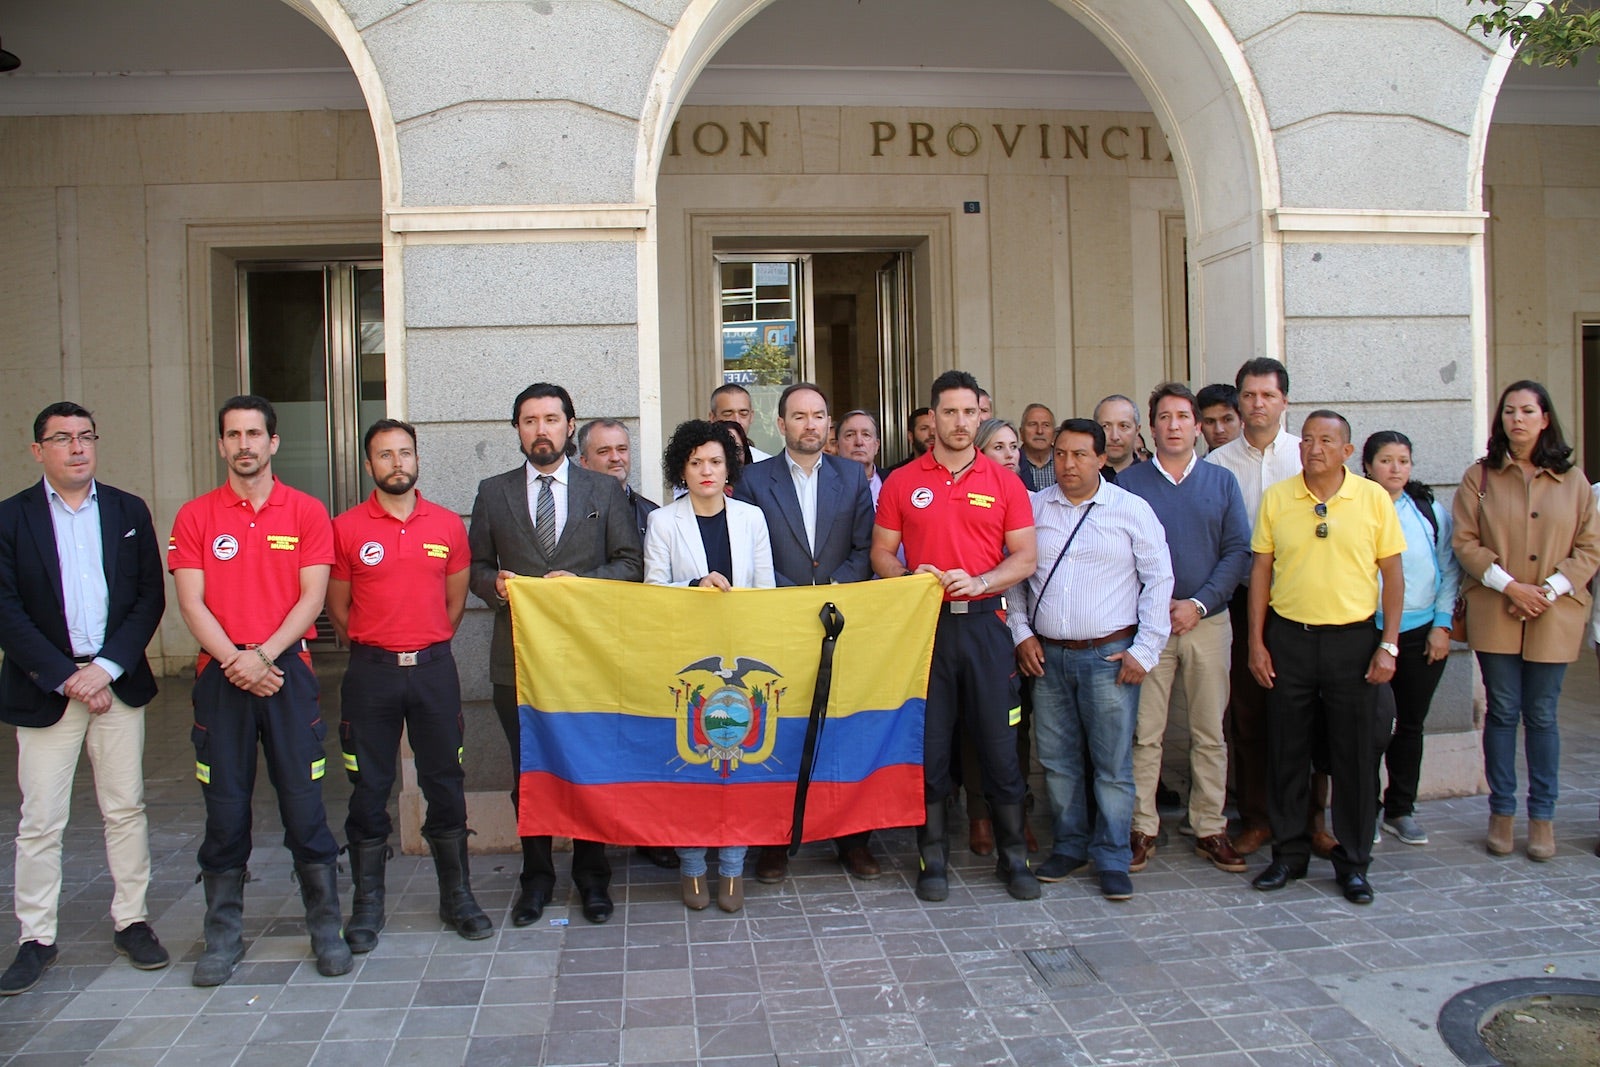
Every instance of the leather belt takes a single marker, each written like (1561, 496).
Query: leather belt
(298, 646)
(372, 654)
(1093, 642)
(973, 607)
(1367, 623)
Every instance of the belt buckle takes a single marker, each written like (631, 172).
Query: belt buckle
(960, 607)
(406, 659)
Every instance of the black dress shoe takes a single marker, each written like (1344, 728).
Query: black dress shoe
(597, 906)
(1277, 875)
(665, 858)
(1357, 890)
(530, 905)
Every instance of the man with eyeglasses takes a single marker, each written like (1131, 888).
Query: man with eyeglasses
(1321, 543)
(80, 597)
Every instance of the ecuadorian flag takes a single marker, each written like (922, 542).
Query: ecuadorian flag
(659, 715)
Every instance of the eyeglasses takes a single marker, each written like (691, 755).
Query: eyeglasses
(62, 440)
(1321, 511)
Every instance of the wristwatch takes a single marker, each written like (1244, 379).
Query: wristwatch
(1390, 647)
(1550, 594)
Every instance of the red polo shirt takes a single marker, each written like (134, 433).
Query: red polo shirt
(397, 572)
(953, 523)
(251, 559)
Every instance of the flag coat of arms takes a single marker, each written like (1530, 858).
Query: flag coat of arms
(659, 715)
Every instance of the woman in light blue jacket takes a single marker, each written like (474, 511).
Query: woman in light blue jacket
(1432, 579)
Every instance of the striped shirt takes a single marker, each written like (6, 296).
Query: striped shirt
(1117, 574)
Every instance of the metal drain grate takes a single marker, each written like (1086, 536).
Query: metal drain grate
(1060, 968)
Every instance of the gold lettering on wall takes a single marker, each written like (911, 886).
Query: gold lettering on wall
(752, 138)
(721, 140)
(882, 133)
(1105, 142)
(970, 139)
(1079, 137)
(921, 136)
(1011, 145)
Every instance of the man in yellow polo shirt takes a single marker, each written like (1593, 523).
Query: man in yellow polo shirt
(1322, 539)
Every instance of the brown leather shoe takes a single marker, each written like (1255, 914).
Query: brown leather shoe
(859, 862)
(772, 863)
(1252, 840)
(1500, 840)
(1541, 839)
(1323, 844)
(980, 837)
(1027, 836)
(1143, 846)
(1222, 855)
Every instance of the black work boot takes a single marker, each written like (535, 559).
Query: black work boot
(933, 853)
(367, 861)
(319, 890)
(224, 926)
(457, 907)
(1011, 863)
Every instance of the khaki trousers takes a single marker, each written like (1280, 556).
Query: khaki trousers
(47, 759)
(1195, 664)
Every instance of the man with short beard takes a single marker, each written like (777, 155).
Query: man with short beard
(398, 591)
(548, 518)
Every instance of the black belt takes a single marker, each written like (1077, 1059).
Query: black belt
(973, 607)
(372, 654)
(1367, 622)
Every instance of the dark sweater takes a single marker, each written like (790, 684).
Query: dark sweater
(1208, 533)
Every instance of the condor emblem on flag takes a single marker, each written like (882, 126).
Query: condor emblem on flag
(659, 715)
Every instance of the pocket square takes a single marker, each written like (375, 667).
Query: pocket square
(129, 534)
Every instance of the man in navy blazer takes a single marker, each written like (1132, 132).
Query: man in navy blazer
(81, 594)
(819, 519)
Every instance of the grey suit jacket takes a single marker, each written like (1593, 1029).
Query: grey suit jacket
(599, 540)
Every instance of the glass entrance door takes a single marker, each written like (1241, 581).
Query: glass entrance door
(311, 341)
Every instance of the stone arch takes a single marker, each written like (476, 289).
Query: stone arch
(1192, 71)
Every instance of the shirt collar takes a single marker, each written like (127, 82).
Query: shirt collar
(274, 498)
(1274, 446)
(51, 495)
(377, 511)
(796, 468)
(559, 474)
(1194, 457)
(1061, 497)
(1346, 490)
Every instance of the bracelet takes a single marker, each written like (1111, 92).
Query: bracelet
(984, 579)
(263, 656)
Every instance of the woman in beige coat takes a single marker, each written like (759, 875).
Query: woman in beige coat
(1526, 536)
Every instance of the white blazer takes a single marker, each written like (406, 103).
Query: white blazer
(675, 555)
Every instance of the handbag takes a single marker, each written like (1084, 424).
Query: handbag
(1458, 616)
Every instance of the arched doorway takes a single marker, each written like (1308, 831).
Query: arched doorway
(1193, 101)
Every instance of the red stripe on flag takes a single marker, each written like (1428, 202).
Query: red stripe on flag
(758, 813)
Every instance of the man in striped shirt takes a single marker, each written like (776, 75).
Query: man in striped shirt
(1093, 619)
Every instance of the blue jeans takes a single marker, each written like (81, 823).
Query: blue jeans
(1083, 722)
(730, 861)
(1519, 691)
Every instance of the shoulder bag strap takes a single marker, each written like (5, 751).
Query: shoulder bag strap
(1033, 616)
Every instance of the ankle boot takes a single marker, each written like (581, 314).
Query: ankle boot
(1541, 839)
(319, 891)
(933, 880)
(1501, 839)
(980, 837)
(224, 926)
(367, 861)
(457, 907)
(1012, 865)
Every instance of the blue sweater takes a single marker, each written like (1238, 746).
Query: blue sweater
(1208, 532)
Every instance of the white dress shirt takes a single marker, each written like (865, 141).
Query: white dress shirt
(805, 487)
(1258, 468)
(1118, 572)
(558, 490)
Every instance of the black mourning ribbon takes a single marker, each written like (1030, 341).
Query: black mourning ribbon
(832, 626)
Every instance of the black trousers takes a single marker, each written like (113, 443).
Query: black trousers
(228, 725)
(590, 868)
(974, 673)
(1246, 721)
(1321, 695)
(378, 701)
(1414, 682)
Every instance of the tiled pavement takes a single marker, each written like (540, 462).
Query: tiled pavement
(1197, 969)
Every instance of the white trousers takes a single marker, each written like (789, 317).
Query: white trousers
(47, 759)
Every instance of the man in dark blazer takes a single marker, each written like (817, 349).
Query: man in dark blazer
(547, 518)
(81, 594)
(819, 520)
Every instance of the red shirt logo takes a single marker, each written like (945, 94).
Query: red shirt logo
(921, 496)
(372, 553)
(225, 547)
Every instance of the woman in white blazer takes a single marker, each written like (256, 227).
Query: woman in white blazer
(704, 538)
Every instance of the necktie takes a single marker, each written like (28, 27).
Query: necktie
(545, 516)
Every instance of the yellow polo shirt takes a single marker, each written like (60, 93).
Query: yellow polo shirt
(1333, 580)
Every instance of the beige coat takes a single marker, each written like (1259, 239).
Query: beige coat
(1532, 530)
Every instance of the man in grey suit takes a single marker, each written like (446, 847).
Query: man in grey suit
(547, 518)
(819, 519)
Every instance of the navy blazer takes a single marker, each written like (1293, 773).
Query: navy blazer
(33, 619)
(844, 520)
